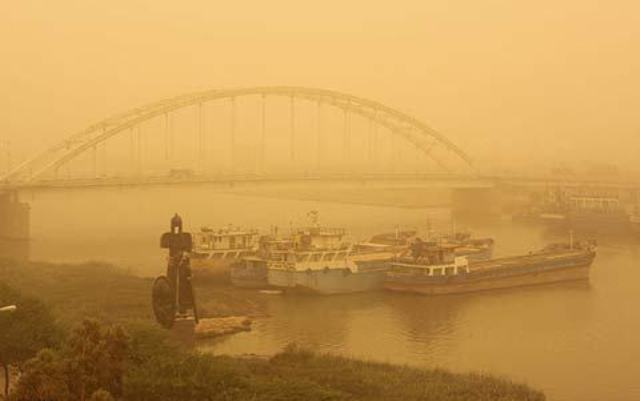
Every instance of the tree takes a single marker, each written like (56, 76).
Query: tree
(24, 332)
(96, 359)
(43, 379)
(89, 366)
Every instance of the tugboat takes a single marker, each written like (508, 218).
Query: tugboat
(216, 250)
(434, 269)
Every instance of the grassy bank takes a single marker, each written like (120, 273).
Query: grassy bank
(158, 370)
(302, 375)
(105, 292)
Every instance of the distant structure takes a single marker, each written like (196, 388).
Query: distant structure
(14, 227)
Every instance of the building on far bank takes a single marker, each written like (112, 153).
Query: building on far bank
(14, 227)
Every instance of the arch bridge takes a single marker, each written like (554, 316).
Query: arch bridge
(202, 137)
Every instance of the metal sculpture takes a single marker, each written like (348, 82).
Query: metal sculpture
(172, 295)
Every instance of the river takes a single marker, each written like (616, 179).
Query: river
(574, 341)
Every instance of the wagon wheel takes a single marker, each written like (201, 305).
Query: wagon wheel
(163, 299)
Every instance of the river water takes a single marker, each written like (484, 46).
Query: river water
(575, 341)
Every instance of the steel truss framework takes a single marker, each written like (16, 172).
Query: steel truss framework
(409, 128)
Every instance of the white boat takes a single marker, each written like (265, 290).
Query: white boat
(215, 250)
(251, 271)
(321, 262)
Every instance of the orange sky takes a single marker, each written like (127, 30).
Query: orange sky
(503, 79)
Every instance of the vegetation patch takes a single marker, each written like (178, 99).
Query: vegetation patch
(297, 374)
(120, 354)
(108, 293)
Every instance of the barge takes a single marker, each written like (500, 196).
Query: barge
(435, 270)
(462, 242)
(474, 249)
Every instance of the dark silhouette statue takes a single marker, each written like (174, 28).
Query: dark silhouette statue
(173, 295)
(176, 223)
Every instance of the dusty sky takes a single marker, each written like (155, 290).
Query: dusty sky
(506, 80)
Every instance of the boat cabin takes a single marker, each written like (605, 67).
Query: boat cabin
(225, 239)
(432, 252)
(394, 238)
(312, 238)
(431, 259)
(597, 204)
(274, 248)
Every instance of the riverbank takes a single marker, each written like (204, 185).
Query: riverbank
(298, 374)
(107, 293)
(111, 295)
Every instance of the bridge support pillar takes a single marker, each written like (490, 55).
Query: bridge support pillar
(469, 202)
(14, 227)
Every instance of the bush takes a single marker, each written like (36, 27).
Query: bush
(91, 363)
(26, 331)
(298, 374)
(44, 379)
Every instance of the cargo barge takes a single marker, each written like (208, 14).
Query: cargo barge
(435, 270)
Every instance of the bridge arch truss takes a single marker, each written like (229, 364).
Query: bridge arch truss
(420, 135)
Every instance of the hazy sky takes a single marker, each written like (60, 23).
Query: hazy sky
(503, 79)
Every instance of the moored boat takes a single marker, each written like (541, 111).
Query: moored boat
(462, 243)
(474, 249)
(321, 262)
(587, 210)
(434, 269)
(251, 271)
(216, 250)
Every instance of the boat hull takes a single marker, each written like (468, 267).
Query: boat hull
(569, 270)
(328, 281)
(476, 255)
(250, 282)
(252, 275)
(213, 269)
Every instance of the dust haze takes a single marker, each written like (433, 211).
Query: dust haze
(433, 183)
(516, 85)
